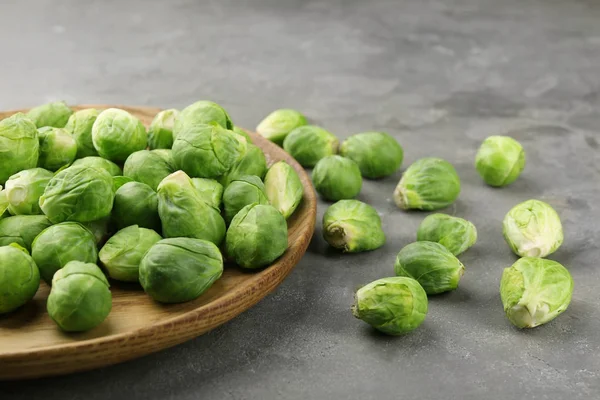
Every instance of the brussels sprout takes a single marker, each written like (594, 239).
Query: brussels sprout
(206, 151)
(257, 236)
(23, 191)
(80, 298)
(116, 134)
(19, 278)
(136, 204)
(456, 234)
(57, 148)
(80, 194)
(309, 143)
(22, 229)
(535, 291)
(122, 253)
(19, 145)
(160, 132)
(210, 191)
(283, 188)
(183, 212)
(277, 125)
(337, 178)
(242, 132)
(533, 229)
(201, 113)
(376, 153)
(252, 162)
(428, 184)
(500, 160)
(148, 167)
(393, 305)
(165, 154)
(3, 204)
(54, 114)
(241, 192)
(101, 229)
(353, 226)
(120, 180)
(431, 264)
(79, 126)
(180, 269)
(99, 162)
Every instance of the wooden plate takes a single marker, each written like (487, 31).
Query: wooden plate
(31, 345)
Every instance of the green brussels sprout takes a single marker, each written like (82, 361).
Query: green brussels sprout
(22, 229)
(99, 162)
(101, 229)
(19, 145)
(257, 236)
(241, 192)
(59, 244)
(277, 125)
(309, 143)
(500, 160)
(535, 291)
(251, 162)
(428, 184)
(148, 167)
(79, 126)
(283, 188)
(337, 178)
(210, 191)
(353, 226)
(180, 269)
(19, 278)
(431, 264)
(376, 153)
(120, 180)
(160, 132)
(183, 212)
(54, 114)
(123, 252)
(202, 113)
(206, 151)
(394, 306)
(455, 234)
(3, 204)
(242, 132)
(533, 229)
(80, 297)
(136, 204)
(57, 148)
(80, 194)
(116, 134)
(23, 191)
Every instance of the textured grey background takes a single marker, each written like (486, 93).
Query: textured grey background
(440, 76)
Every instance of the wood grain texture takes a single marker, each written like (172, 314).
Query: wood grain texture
(31, 345)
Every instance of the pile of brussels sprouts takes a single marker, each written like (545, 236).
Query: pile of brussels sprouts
(91, 195)
(533, 290)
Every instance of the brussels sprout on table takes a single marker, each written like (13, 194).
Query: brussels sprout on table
(337, 178)
(353, 226)
(120, 180)
(376, 153)
(23, 191)
(394, 306)
(308, 144)
(455, 234)
(180, 269)
(200, 113)
(535, 291)
(54, 114)
(116, 134)
(19, 278)
(57, 148)
(22, 229)
(19, 145)
(500, 160)
(99, 162)
(277, 125)
(283, 188)
(149, 167)
(80, 298)
(160, 132)
(431, 264)
(251, 162)
(79, 126)
(136, 204)
(242, 192)
(428, 184)
(210, 191)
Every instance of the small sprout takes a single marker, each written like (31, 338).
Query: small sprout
(79, 126)
(51, 114)
(23, 191)
(210, 191)
(119, 181)
(80, 298)
(337, 178)
(428, 184)
(455, 234)
(22, 229)
(500, 160)
(353, 226)
(535, 291)
(376, 153)
(19, 278)
(241, 192)
(160, 132)
(431, 264)
(57, 148)
(19, 145)
(99, 162)
(277, 125)
(533, 229)
(149, 167)
(308, 144)
(283, 188)
(116, 134)
(251, 162)
(394, 306)
(202, 113)
(136, 204)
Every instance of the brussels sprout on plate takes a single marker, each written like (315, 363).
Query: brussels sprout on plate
(241, 192)
(376, 153)
(160, 132)
(500, 160)
(455, 234)
(23, 191)
(283, 188)
(149, 167)
(308, 144)
(54, 114)
(337, 178)
(19, 278)
(277, 125)
(19, 145)
(251, 162)
(116, 134)
(136, 204)
(202, 112)
(79, 126)
(22, 229)
(210, 191)
(99, 162)
(57, 148)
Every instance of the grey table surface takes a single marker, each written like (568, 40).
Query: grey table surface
(440, 76)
